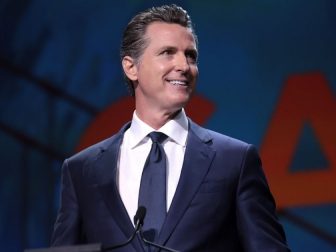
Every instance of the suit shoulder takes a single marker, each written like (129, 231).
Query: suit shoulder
(228, 140)
(93, 151)
(216, 138)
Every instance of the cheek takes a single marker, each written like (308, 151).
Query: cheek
(154, 70)
(146, 74)
(194, 72)
(164, 68)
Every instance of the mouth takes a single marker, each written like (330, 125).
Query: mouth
(181, 83)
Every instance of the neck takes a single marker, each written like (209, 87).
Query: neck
(156, 120)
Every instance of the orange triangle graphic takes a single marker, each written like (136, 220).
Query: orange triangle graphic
(305, 98)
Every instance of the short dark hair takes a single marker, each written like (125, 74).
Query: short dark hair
(134, 42)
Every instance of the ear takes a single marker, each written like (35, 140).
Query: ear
(130, 68)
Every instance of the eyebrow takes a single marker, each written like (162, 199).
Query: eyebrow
(167, 48)
(173, 48)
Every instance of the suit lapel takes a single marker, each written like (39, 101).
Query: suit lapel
(197, 160)
(107, 165)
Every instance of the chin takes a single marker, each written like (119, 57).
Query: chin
(177, 101)
(180, 105)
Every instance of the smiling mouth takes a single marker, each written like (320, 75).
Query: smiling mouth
(178, 82)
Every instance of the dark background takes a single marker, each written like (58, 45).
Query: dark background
(267, 76)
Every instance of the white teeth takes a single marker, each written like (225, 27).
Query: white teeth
(178, 82)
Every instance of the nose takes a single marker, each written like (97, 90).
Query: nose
(182, 63)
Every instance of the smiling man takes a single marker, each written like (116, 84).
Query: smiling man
(164, 76)
(202, 191)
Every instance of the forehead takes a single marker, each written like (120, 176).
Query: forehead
(166, 33)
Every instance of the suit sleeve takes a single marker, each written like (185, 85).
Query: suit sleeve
(67, 225)
(258, 225)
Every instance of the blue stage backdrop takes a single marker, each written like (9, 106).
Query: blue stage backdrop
(267, 76)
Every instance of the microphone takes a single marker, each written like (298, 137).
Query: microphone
(138, 221)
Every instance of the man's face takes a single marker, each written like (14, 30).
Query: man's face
(167, 70)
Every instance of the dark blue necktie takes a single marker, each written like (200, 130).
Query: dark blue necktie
(152, 194)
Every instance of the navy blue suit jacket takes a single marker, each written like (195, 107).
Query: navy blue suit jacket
(222, 201)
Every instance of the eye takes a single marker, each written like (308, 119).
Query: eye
(167, 51)
(192, 56)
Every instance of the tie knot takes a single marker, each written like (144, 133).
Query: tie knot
(157, 137)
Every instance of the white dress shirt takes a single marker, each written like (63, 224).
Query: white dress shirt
(134, 150)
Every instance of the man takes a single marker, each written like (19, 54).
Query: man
(215, 196)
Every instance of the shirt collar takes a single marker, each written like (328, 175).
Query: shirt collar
(176, 129)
